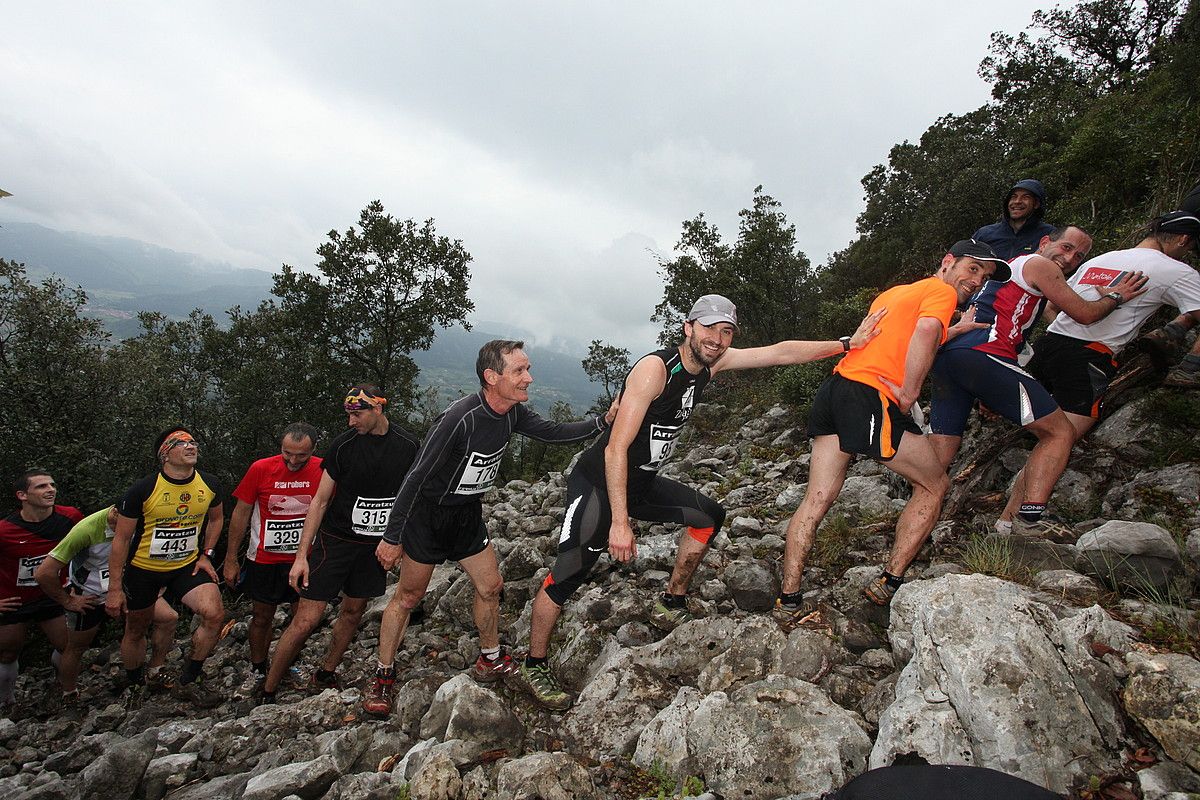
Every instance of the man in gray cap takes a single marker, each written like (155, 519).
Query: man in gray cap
(617, 477)
(1021, 227)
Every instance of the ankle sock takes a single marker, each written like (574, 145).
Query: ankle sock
(894, 582)
(1174, 330)
(191, 670)
(259, 666)
(1031, 512)
(791, 599)
(385, 671)
(8, 681)
(325, 675)
(674, 600)
(531, 662)
(490, 653)
(136, 676)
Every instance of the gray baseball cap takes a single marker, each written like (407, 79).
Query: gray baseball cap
(713, 308)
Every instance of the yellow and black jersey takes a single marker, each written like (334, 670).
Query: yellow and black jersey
(171, 516)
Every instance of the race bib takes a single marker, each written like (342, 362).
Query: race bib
(104, 579)
(480, 472)
(282, 535)
(174, 544)
(25, 568)
(369, 517)
(662, 444)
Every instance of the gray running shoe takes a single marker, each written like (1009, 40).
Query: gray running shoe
(668, 618)
(250, 686)
(196, 693)
(1044, 528)
(1182, 379)
(791, 617)
(879, 591)
(542, 686)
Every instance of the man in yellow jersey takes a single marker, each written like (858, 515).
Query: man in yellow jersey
(157, 548)
(863, 408)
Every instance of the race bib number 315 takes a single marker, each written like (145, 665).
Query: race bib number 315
(174, 544)
(369, 517)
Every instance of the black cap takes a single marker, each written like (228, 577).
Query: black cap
(1180, 222)
(982, 251)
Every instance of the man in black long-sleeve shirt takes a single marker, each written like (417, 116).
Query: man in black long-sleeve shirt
(438, 513)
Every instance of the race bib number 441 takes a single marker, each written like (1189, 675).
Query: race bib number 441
(369, 517)
(174, 544)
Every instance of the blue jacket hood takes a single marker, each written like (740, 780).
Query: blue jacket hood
(1034, 187)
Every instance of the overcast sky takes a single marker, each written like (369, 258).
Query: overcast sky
(563, 142)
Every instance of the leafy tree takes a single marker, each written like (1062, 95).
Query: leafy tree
(763, 273)
(380, 291)
(606, 365)
(54, 386)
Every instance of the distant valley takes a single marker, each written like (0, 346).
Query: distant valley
(125, 276)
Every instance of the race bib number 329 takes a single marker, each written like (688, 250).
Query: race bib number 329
(282, 535)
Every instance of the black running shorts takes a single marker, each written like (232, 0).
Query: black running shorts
(864, 419)
(434, 534)
(266, 583)
(340, 566)
(143, 586)
(1075, 372)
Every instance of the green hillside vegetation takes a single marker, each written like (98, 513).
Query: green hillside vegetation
(1098, 101)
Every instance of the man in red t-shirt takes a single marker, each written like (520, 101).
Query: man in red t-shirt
(272, 500)
(26, 536)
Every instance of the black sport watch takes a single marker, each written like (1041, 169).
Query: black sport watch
(845, 340)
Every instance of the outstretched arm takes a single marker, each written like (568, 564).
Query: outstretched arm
(1048, 279)
(795, 351)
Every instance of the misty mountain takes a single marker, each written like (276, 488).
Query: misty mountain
(123, 276)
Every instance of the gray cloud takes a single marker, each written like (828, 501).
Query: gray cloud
(562, 142)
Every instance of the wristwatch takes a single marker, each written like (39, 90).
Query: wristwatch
(845, 340)
(209, 552)
(1116, 296)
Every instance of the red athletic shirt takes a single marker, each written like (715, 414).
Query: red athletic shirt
(280, 500)
(24, 544)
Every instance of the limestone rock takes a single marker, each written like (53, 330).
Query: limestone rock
(462, 709)
(115, 775)
(306, 779)
(1069, 585)
(752, 585)
(437, 779)
(1163, 693)
(544, 776)
(994, 679)
(166, 773)
(778, 736)
(1138, 556)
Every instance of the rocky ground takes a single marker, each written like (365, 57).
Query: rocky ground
(1070, 664)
